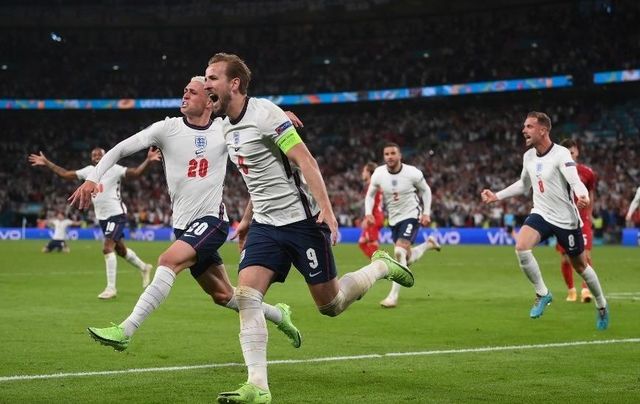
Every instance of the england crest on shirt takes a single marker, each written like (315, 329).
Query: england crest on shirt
(201, 145)
(236, 140)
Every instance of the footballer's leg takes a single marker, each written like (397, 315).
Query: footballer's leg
(215, 282)
(111, 267)
(591, 278)
(528, 237)
(132, 258)
(431, 243)
(178, 256)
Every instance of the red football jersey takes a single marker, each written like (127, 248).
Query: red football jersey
(589, 179)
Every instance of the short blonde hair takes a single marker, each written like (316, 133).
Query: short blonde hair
(199, 79)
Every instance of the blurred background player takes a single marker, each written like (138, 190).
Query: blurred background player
(368, 241)
(109, 210)
(589, 179)
(407, 199)
(633, 206)
(58, 241)
(195, 160)
(549, 169)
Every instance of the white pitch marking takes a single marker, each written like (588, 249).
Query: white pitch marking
(325, 359)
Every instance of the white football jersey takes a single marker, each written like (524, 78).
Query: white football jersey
(107, 202)
(635, 202)
(60, 228)
(278, 191)
(401, 192)
(195, 164)
(550, 175)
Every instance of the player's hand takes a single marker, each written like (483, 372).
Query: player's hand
(294, 119)
(425, 220)
(330, 219)
(488, 196)
(154, 154)
(81, 197)
(583, 202)
(241, 234)
(38, 159)
(628, 217)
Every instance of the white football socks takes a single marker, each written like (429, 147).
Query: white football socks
(253, 335)
(418, 251)
(150, 299)
(353, 285)
(591, 278)
(271, 313)
(133, 259)
(530, 267)
(111, 263)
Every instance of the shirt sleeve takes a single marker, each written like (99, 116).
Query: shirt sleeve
(370, 197)
(569, 171)
(141, 140)
(83, 173)
(519, 187)
(277, 126)
(425, 191)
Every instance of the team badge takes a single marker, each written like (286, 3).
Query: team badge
(201, 145)
(236, 141)
(538, 168)
(394, 183)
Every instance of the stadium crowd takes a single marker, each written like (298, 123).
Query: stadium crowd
(461, 149)
(576, 38)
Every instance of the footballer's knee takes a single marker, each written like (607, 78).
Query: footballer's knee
(335, 307)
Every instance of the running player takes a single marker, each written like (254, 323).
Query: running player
(289, 219)
(549, 169)
(109, 210)
(589, 179)
(59, 239)
(195, 160)
(407, 197)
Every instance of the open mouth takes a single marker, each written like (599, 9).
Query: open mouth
(213, 97)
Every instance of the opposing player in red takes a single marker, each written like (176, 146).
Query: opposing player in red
(589, 179)
(368, 240)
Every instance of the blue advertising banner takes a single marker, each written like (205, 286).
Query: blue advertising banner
(532, 83)
(450, 236)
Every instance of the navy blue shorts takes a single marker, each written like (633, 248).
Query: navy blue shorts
(113, 227)
(406, 229)
(305, 244)
(571, 240)
(206, 235)
(56, 245)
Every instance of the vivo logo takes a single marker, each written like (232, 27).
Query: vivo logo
(10, 234)
(143, 235)
(499, 238)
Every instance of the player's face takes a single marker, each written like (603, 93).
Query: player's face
(533, 132)
(96, 155)
(60, 215)
(194, 99)
(218, 87)
(392, 157)
(574, 153)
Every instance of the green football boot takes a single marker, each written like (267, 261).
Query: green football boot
(247, 393)
(398, 273)
(111, 336)
(287, 327)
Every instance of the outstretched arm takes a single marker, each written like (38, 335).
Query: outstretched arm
(153, 154)
(42, 160)
(634, 205)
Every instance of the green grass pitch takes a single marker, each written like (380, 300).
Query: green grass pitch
(464, 298)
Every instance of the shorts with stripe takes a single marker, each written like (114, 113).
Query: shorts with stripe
(113, 227)
(570, 240)
(406, 229)
(305, 244)
(206, 235)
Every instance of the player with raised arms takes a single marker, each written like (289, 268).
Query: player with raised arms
(549, 169)
(195, 161)
(289, 219)
(109, 210)
(407, 198)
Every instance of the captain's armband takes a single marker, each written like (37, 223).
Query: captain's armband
(287, 141)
